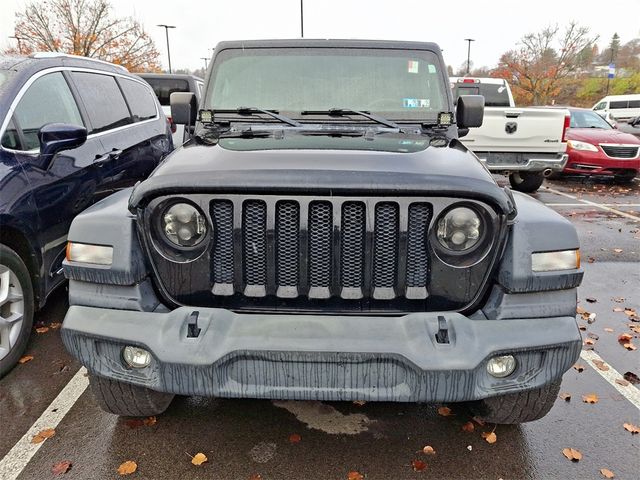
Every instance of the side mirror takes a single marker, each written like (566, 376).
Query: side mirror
(184, 108)
(55, 137)
(469, 111)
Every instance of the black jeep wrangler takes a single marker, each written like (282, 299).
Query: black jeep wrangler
(324, 235)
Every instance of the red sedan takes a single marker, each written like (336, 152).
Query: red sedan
(596, 148)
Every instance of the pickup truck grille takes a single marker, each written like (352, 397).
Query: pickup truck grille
(334, 254)
(620, 151)
(341, 258)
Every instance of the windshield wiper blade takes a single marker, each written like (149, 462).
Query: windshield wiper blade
(341, 112)
(254, 110)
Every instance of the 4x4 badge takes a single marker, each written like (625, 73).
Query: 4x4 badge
(511, 127)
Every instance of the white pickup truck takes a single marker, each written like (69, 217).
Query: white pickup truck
(525, 143)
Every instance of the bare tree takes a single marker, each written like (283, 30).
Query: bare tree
(543, 59)
(86, 28)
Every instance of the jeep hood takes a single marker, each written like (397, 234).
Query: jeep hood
(385, 165)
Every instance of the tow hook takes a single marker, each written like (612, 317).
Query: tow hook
(192, 326)
(443, 333)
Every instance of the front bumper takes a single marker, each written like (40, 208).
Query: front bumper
(322, 357)
(522, 162)
(598, 163)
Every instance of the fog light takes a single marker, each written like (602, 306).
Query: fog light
(136, 357)
(501, 366)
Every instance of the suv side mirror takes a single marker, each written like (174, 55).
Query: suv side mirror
(55, 137)
(469, 111)
(184, 108)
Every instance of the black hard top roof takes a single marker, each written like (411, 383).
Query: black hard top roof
(329, 43)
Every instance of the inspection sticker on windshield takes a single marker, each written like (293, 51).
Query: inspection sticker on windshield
(416, 102)
(413, 66)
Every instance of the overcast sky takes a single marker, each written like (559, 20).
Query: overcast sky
(496, 25)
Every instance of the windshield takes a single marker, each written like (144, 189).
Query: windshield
(398, 84)
(494, 95)
(588, 119)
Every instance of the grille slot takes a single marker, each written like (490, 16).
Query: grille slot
(222, 216)
(385, 255)
(287, 248)
(417, 252)
(614, 151)
(254, 247)
(320, 248)
(352, 249)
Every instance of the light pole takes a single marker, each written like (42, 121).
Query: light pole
(166, 31)
(18, 39)
(302, 18)
(205, 61)
(469, 40)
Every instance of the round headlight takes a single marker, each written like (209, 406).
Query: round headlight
(459, 229)
(184, 225)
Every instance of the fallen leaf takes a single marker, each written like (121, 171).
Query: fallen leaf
(479, 421)
(490, 437)
(629, 427)
(589, 341)
(618, 299)
(618, 309)
(581, 311)
(25, 359)
(629, 346)
(468, 427)
(572, 454)
(55, 325)
(359, 403)
(591, 260)
(418, 465)
(565, 396)
(601, 365)
(150, 421)
(631, 377)
(591, 300)
(593, 336)
(622, 382)
(127, 467)
(199, 458)
(428, 450)
(582, 327)
(294, 438)
(608, 330)
(629, 311)
(578, 367)
(255, 476)
(624, 337)
(606, 473)
(61, 468)
(42, 435)
(634, 328)
(444, 411)
(590, 398)
(353, 475)
(42, 329)
(469, 447)
(618, 250)
(591, 318)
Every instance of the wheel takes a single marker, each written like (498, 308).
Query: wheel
(16, 308)
(526, 182)
(128, 400)
(519, 407)
(624, 177)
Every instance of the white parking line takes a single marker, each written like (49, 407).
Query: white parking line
(19, 456)
(594, 204)
(629, 392)
(584, 205)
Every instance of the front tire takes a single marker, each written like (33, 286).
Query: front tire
(16, 308)
(519, 407)
(527, 182)
(128, 400)
(624, 178)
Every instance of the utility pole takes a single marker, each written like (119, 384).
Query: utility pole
(205, 61)
(469, 40)
(301, 18)
(166, 30)
(18, 39)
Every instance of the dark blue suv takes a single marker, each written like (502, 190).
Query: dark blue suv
(72, 131)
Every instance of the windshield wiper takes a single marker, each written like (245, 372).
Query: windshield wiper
(253, 111)
(342, 112)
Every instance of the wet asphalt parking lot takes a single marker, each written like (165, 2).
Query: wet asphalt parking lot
(260, 439)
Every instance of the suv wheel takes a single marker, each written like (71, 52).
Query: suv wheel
(16, 308)
(526, 182)
(128, 400)
(519, 407)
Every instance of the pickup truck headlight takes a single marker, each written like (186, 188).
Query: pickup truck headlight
(459, 229)
(86, 253)
(183, 225)
(552, 261)
(576, 145)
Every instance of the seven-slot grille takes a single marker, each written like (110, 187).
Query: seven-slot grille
(346, 248)
(620, 151)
